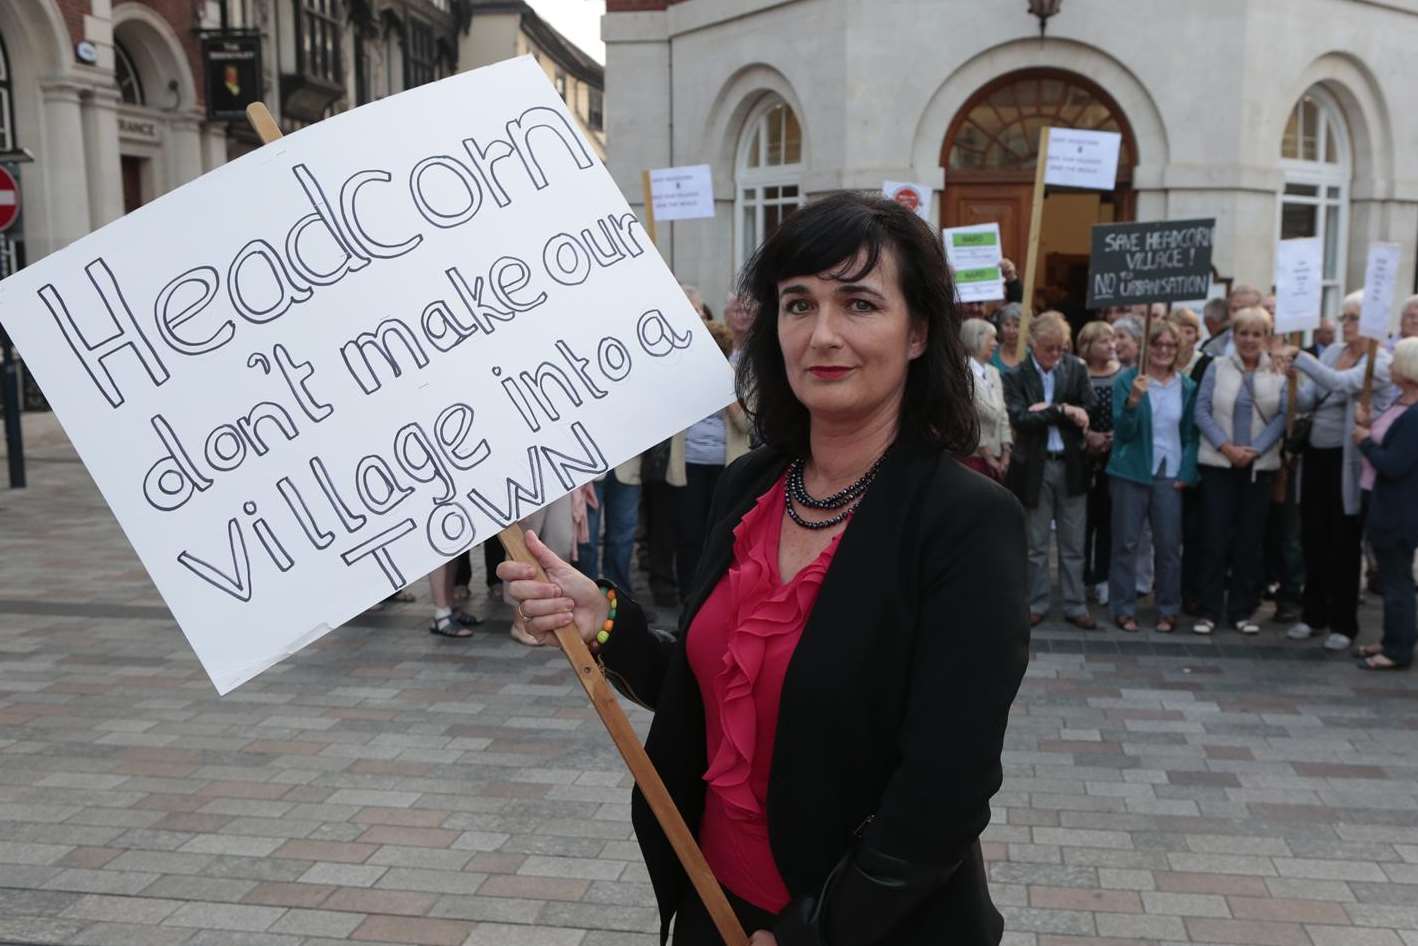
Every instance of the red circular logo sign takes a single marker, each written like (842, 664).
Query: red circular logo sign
(908, 198)
(9, 199)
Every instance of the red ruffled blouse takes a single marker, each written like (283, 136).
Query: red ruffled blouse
(739, 645)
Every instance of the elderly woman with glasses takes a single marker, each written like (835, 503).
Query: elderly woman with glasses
(1153, 459)
(996, 442)
(1331, 507)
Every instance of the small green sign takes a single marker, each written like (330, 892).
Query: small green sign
(973, 239)
(987, 274)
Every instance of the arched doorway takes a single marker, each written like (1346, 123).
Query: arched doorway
(990, 153)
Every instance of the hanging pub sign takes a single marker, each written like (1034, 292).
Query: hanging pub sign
(1157, 261)
(231, 64)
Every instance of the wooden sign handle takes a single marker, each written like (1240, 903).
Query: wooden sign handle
(608, 708)
(648, 190)
(1292, 402)
(1031, 255)
(602, 697)
(1367, 397)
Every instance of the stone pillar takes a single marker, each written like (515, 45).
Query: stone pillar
(105, 171)
(65, 177)
(184, 151)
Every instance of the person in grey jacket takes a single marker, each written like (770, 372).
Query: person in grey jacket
(1331, 524)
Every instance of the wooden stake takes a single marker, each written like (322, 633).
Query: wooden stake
(1031, 256)
(1146, 339)
(1292, 396)
(602, 697)
(649, 193)
(1368, 394)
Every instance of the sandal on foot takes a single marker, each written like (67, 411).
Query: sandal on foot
(1369, 650)
(1380, 662)
(1126, 622)
(448, 627)
(1166, 625)
(466, 618)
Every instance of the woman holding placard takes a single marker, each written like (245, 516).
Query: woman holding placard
(1331, 510)
(831, 711)
(1153, 460)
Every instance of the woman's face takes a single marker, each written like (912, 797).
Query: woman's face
(989, 344)
(847, 345)
(737, 316)
(1162, 353)
(1349, 322)
(1188, 335)
(1408, 325)
(1250, 339)
(1125, 348)
(1104, 350)
(1010, 327)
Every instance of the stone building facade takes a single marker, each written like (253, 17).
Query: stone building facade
(1279, 118)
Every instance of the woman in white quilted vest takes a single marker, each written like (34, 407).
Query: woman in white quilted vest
(1331, 507)
(1240, 409)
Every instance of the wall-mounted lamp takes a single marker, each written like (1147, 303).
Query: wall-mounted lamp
(1044, 9)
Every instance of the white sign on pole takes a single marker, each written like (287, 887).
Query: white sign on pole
(312, 375)
(685, 193)
(1380, 282)
(914, 197)
(974, 256)
(1083, 158)
(1299, 284)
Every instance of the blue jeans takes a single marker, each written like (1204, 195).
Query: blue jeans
(620, 509)
(1400, 623)
(1136, 505)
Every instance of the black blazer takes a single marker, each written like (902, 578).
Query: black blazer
(1024, 386)
(1393, 506)
(892, 715)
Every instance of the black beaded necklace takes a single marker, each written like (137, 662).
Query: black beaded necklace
(846, 499)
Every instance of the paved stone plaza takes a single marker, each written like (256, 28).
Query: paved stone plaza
(387, 786)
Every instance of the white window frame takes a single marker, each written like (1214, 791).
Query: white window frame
(756, 178)
(1323, 175)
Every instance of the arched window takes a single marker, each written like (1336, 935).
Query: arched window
(7, 132)
(767, 175)
(1314, 202)
(125, 76)
(999, 129)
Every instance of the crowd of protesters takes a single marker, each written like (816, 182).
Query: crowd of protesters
(1198, 460)
(1210, 464)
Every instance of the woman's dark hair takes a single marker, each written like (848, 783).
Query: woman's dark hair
(826, 238)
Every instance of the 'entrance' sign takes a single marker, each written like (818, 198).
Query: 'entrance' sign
(1161, 261)
(394, 333)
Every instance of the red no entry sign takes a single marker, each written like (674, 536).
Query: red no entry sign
(9, 199)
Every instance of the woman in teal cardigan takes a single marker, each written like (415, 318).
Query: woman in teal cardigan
(1153, 459)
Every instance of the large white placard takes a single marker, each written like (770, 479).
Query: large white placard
(684, 193)
(1083, 158)
(974, 255)
(1299, 284)
(1380, 283)
(914, 197)
(319, 371)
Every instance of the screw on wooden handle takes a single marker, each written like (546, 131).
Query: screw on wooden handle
(628, 742)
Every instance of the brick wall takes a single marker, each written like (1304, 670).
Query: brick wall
(178, 13)
(73, 11)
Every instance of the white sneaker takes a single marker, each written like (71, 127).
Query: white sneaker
(1248, 627)
(1101, 592)
(1300, 632)
(1338, 642)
